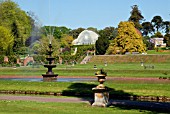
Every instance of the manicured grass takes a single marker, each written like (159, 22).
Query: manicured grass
(34, 86)
(137, 58)
(113, 70)
(155, 52)
(117, 87)
(30, 107)
(144, 89)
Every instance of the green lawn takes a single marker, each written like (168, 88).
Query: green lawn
(30, 107)
(117, 87)
(155, 52)
(113, 70)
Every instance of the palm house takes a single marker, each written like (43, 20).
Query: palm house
(86, 37)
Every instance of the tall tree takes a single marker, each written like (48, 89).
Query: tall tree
(136, 16)
(109, 33)
(75, 33)
(92, 29)
(66, 41)
(56, 31)
(102, 43)
(127, 40)
(16, 20)
(60, 31)
(157, 35)
(157, 22)
(41, 46)
(147, 28)
(166, 26)
(6, 39)
(167, 39)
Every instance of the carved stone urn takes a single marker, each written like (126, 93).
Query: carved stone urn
(101, 94)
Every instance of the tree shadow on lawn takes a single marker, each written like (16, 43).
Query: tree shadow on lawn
(124, 100)
(143, 106)
(84, 90)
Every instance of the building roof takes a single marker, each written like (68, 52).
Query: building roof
(86, 37)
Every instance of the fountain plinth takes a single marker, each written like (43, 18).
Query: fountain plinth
(101, 94)
(50, 76)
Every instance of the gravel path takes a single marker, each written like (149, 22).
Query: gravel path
(41, 99)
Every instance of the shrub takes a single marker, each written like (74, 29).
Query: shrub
(165, 48)
(17, 65)
(1, 59)
(39, 58)
(12, 59)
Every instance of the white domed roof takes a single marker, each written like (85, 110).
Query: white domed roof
(86, 37)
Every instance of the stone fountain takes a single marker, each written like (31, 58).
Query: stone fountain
(50, 76)
(101, 94)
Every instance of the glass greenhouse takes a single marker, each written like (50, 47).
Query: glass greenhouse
(86, 37)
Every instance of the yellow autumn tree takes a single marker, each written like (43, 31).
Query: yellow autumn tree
(66, 40)
(128, 40)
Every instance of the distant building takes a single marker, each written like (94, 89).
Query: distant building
(158, 42)
(86, 37)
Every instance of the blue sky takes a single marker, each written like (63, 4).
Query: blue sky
(92, 13)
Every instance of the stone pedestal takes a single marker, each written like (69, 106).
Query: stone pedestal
(101, 97)
(101, 94)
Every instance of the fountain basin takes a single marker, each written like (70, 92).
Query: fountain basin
(50, 66)
(49, 76)
(50, 58)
